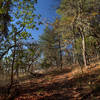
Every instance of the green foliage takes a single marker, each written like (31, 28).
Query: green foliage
(49, 46)
(16, 19)
(45, 63)
(78, 19)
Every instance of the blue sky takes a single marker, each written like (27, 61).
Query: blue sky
(47, 10)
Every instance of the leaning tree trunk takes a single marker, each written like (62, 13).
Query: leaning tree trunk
(83, 50)
(12, 71)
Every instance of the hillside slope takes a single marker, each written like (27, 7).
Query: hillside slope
(60, 85)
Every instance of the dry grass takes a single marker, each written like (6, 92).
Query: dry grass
(78, 71)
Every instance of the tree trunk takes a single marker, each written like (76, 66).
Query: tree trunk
(83, 50)
(12, 67)
(73, 43)
(12, 71)
(60, 53)
(17, 71)
(73, 51)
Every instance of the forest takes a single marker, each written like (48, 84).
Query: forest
(62, 63)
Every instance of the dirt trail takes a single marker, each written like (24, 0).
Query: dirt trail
(60, 85)
(50, 87)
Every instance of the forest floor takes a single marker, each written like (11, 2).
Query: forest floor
(60, 85)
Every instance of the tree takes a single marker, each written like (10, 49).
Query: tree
(17, 16)
(16, 19)
(5, 18)
(49, 45)
(78, 16)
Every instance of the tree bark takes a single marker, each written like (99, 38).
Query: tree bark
(12, 67)
(60, 53)
(4, 53)
(83, 50)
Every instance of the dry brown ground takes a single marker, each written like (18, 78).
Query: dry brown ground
(60, 85)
